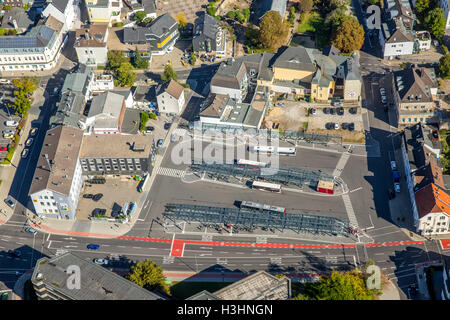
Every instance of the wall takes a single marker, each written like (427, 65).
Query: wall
(398, 49)
(288, 74)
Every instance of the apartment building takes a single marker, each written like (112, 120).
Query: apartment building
(413, 96)
(170, 97)
(17, 19)
(104, 11)
(106, 114)
(209, 38)
(37, 49)
(57, 182)
(63, 10)
(90, 45)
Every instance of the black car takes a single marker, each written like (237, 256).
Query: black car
(14, 253)
(326, 110)
(98, 211)
(329, 125)
(344, 126)
(88, 195)
(166, 126)
(351, 126)
(150, 128)
(97, 197)
(340, 111)
(332, 111)
(353, 110)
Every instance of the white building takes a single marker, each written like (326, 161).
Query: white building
(102, 83)
(38, 49)
(90, 45)
(63, 10)
(170, 97)
(57, 181)
(104, 11)
(434, 210)
(106, 113)
(395, 40)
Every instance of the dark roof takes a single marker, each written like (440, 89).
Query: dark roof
(297, 58)
(22, 18)
(207, 30)
(60, 4)
(159, 28)
(331, 51)
(414, 84)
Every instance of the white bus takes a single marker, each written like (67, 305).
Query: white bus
(266, 186)
(260, 206)
(270, 149)
(244, 162)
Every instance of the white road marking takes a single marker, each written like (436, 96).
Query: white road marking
(356, 189)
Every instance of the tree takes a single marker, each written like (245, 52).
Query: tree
(435, 22)
(423, 7)
(231, 15)
(138, 61)
(148, 275)
(147, 21)
(338, 3)
(338, 286)
(144, 118)
(349, 36)
(273, 30)
(211, 10)
(246, 14)
(21, 104)
(444, 66)
(240, 17)
(125, 75)
(335, 17)
(139, 16)
(181, 19)
(169, 74)
(291, 15)
(306, 6)
(7, 7)
(26, 85)
(192, 58)
(115, 59)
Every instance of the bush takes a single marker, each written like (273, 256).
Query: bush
(144, 118)
(118, 24)
(231, 14)
(152, 116)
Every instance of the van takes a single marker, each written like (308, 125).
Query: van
(5, 81)
(11, 123)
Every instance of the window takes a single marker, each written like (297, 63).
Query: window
(406, 107)
(409, 119)
(442, 218)
(45, 197)
(415, 107)
(42, 203)
(429, 218)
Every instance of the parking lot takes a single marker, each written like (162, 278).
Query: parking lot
(116, 192)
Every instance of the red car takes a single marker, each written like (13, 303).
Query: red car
(3, 149)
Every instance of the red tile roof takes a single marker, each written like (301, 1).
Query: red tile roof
(432, 198)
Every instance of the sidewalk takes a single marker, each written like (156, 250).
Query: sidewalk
(390, 292)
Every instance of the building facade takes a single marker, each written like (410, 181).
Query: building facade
(90, 45)
(209, 38)
(170, 98)
(103, 11)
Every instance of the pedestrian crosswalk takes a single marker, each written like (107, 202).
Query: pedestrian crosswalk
(170, 172)
(60, 252)
(168, 259)
(349, 209)
(222, 261)
(260, 239)
(341, 164)
(276, 260)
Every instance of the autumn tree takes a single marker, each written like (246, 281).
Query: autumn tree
(181, 19)
(149, 275)
(306, 6)
(349, 36)
(115, 59)
(273, 30)
(435, 22)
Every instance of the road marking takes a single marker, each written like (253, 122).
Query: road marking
(341, 164)
(356, 189)
(349, 209)
(49, 244)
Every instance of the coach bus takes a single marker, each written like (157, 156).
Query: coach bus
(250, 163)
(270, 149)
(266, 186)
(260, 206)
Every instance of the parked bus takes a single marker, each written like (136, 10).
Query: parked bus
(250, 163)
(266, 186)
(270, 149)
(260, 206)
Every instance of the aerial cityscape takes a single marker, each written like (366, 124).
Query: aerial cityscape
(257, 150)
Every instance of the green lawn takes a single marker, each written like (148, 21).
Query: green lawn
(185, 289)
(313, 23)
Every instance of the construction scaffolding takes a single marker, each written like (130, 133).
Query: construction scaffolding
(286, 176)
(258, 218)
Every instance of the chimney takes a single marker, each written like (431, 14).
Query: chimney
(86, 34)
(14, 22)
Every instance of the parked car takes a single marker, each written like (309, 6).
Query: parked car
(312, 111)
(3, 148)
(101, 261)
(326, 110)
(340, 111)
(160, 143)
(383, 100)
(30, 230)
(9, 202)
(344, 125)
(11, 123)
(397, 187)
(29, 142)
(150, 128)
(1, 95)
(351, 126)
(5, 81)
(353, 110)
(332, 111)
(393, 166)
(8, 135)
(14, 253)
(97, 197)
(396, 176)
(24, 153)
(336, 126)
(8, 131)
(93, 246)
(98, 211)
(338, 104)
(391, 194)
(435, 64)
(382, 91)
(88, 195)
(33, 131)
(329, 125)
(167, 126)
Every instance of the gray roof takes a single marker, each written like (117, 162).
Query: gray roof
(69, 110)
(107, 108)
(148, 6)
(35, 40)
(231, 72)
(22, 18)
(203, 295)
(78, 80)
(162, 25)
(97, 283)
(299, 58)
(61, 5)
(208, 30)
(273, 5)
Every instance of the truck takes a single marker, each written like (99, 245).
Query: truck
(396, 176)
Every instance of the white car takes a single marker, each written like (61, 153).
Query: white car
(393, 166)
(336, 126)
(30, 230)
(382, 91)
(11, 123)
(101, 261)
(383, 100)
(397, 187)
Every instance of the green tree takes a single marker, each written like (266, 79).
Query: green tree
(193, 58)
(115, 59)
(211, 10)
(246, 14)
(444, 66)
(138, 61)
(21, 104)
(125, 75)
(273, 30)
(139, 16)
(148, 275)
(144, 118)
(147, 21)
(231, 14)
(423, 7)
(169, 74)
(336, 17)
(181, 19)
(338, 3)
(26, 85)
(306, 6)
(7, 7)
(240, 17)
(349, 36)
(338, 286)
(435, 22)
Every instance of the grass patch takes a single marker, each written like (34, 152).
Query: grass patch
(185, 289)
(445, 158)
(313, 23)
(9, 156)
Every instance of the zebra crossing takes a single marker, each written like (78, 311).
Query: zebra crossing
(222, 261)
(349, 209)
(341, 164)
(168, 259)
(60, 252)
(170, 172)
(276, 260)
(260, 239)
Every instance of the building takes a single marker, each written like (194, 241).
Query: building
(209, 38)
(57, 181)
(37, 49)
(63, 10)
(161, 35)
(258, 286)
(104, 12)
(414, 89)
(17, 19)
(170, 97)
(433, 204)
(50, 281)
(102, 82)
(90, 45)
(444, 4)
(395, 40)
(106, 114)
(133, 6)
(113, 155)
(423, 40)
(16, 3)
(401, 10)
(273, 5)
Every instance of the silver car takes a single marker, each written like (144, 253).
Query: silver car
(101, 261)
